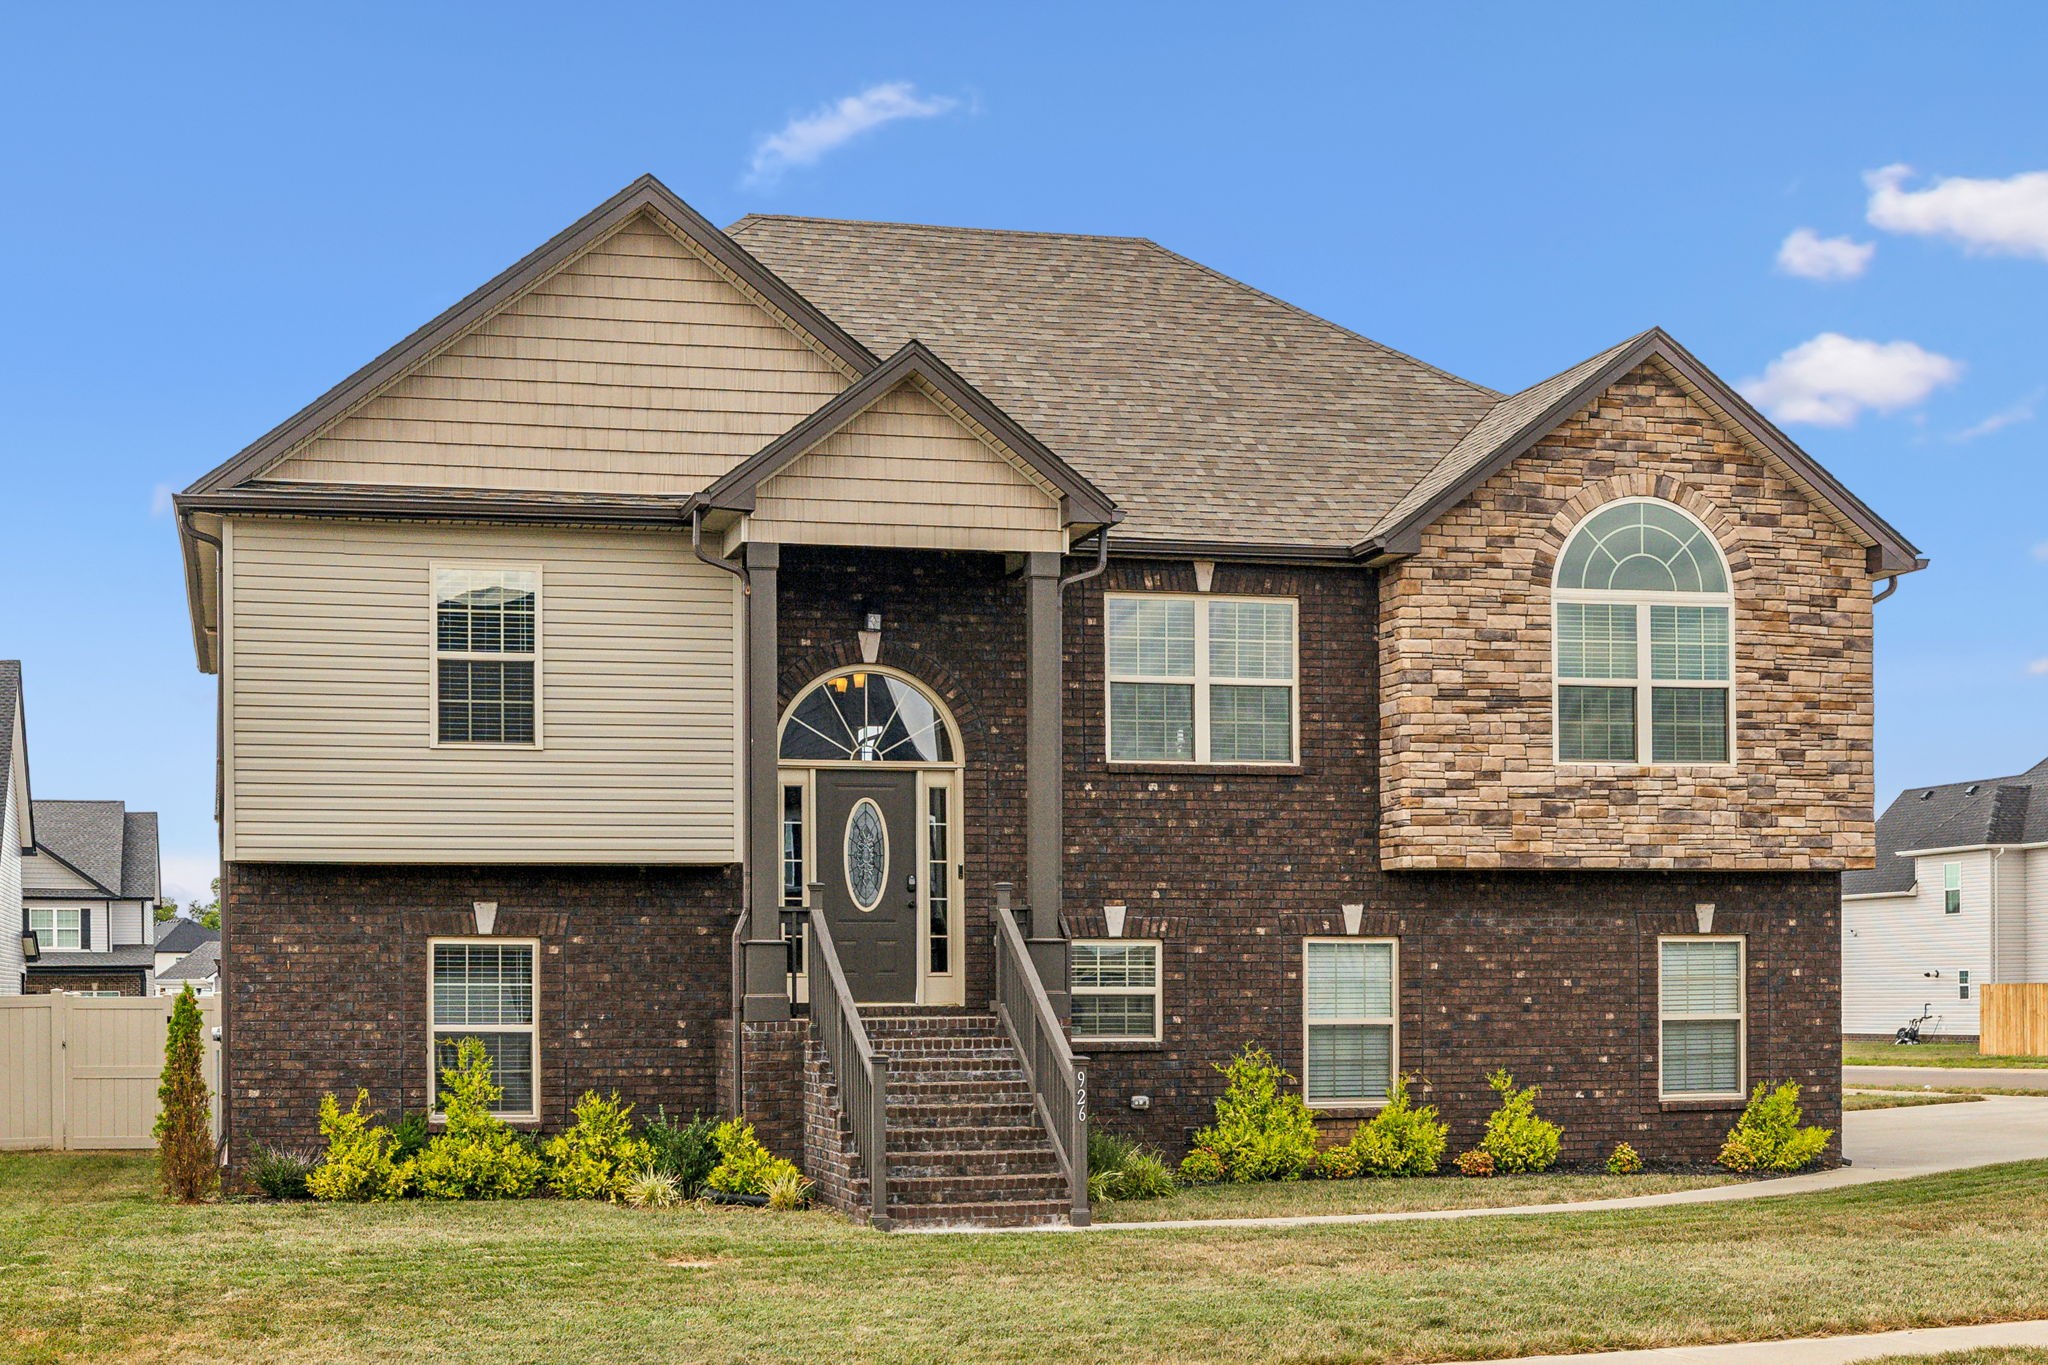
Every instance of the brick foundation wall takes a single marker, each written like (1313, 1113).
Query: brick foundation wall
(1465, 632)
(771, 1092)
(325, 978)
(44, 983)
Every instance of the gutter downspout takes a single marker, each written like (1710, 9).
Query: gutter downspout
(1891, 585)
(222, 1026)
(1101, 562)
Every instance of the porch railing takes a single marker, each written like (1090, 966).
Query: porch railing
(862, 1072)
(1058, 1080)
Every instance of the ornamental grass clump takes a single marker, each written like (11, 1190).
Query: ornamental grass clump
(1263, 1128)
(184, 1120)
(283, 1174)
(744, 1167)
(1768, 1136)
(598, 1156)
(1519, 1141)
(1121, 1168)
(477, 1156)
(1402, 1139)
(652, 1189)
(357, 1166)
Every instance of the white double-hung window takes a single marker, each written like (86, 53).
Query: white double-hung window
(486, 654)
(1350, 1034)
(1115, 985)
(64, 929)
(1643, 639)
(1201, 679)
(1701, 1000)
(485, 989)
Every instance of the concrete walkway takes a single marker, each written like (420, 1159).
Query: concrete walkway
(1812, 1350)
(1944, 1077)
(1881, 1144)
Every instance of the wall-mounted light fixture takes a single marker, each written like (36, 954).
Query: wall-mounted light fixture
(31, 948)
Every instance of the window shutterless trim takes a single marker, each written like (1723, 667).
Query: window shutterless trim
(435, 654)
(47, 940)
(435, 1114)
(1740, 1018)
(1952, 888)
(1201, 682)
(1156, 991)
(1391, 1022)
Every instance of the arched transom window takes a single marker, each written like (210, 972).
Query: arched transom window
(1643, 641)
(866, 716)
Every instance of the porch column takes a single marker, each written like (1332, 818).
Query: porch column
(767, 978)
(1044, 802)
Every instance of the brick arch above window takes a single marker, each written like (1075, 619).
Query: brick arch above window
(1729, 534)
(934, 674)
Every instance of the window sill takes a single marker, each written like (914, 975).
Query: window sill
(1354, 1109)
(437, 1123)
(1198, 770)
(1725, 1102)
(1086, 1046)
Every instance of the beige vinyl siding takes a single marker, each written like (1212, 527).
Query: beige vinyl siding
(638, 368)
(11, 923)
(907, 472)
(330, 727)
(41, 872)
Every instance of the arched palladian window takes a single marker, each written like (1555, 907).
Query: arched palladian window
(866, 716)
(1643, 643)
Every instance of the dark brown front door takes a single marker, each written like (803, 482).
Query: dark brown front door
(868, 861)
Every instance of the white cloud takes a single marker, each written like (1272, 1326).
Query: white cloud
(187, 876)
(2022, 411)
(1832, 380)
(805, 139)
(2007, 217)
(160, 500)
(1811, 256)
(2039, 668)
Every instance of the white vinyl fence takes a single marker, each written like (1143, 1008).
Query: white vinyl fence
(80, 1072)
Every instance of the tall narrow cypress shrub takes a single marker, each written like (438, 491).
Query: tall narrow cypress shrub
(184, 1127)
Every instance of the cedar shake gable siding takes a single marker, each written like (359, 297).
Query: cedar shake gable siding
(1469, 780)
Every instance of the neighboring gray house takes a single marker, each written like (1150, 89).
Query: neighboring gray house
(177, 939)
(199, 969)
(89, 890)
(1958, 898)
(17, 824)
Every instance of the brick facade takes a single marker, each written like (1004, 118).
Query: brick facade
(49, 983)
(1465, 644)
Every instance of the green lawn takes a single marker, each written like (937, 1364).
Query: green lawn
(1390, 1196)
(1983, 1355)
(94, 1267)
(1929, 1054)
(1901, 1099)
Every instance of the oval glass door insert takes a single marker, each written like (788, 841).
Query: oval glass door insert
(867, 854)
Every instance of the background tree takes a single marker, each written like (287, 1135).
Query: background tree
(184, 1122)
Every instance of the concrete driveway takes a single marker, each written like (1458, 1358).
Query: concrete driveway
(1944, 1077)
(1945, 1137)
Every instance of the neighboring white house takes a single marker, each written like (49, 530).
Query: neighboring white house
(199, 969)
(17, 824)
(1959, 898)
(89, 891)
(177, 939)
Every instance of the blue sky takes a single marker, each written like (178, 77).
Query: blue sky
(214, 215)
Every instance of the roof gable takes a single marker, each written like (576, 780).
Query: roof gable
(86, 836)
(645, 200)
(14, 787)
(1519, 421)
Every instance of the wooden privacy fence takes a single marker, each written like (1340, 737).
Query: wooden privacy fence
(79, 1072)
(2012, 1019)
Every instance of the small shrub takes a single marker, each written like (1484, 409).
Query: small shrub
(744, 1165)
(649, 1188)
(358, 1164)
(1263, 1128)
(1475, 1163)
(1147, 1176)
(1624, 1160)
(1401, 1139)
(597, 1156)
(1120, 1168)
(477, 1156)
(282, 1174)
(682, 1149)
(1517, 1139)
(788, 1191)
(184, 1120)
(1768, 1136)
(1108, 1150)
(1201, 1167)
(409, 1135)
(1338, 1163)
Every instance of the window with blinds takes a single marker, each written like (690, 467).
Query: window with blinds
(1701, 997)
(1201, 679)
(1115, 989)
(60, 929)
(1349, 1045)
(484, 989)
(1642, 637)
(486, 654)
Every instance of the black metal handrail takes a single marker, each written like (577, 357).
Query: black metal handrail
(1058, 1079)
(862, 1072)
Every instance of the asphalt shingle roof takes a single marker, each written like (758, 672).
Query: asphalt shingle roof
(1207, 409)
(181, 935)
(127, 955)
(104, 840)
(1992, 810)
(10, 698)
(199, 964)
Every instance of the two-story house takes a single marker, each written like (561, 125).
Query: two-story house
(89, 889)
(1957, 899)
(663, 664)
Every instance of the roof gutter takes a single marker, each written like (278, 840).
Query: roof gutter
(195, 587)
(1101, 562)
(695, 512)
(1969, 848)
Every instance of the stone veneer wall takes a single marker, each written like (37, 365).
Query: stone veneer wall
(1465, 646)
(325, 979)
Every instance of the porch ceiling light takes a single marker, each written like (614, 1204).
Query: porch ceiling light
(31, 949)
